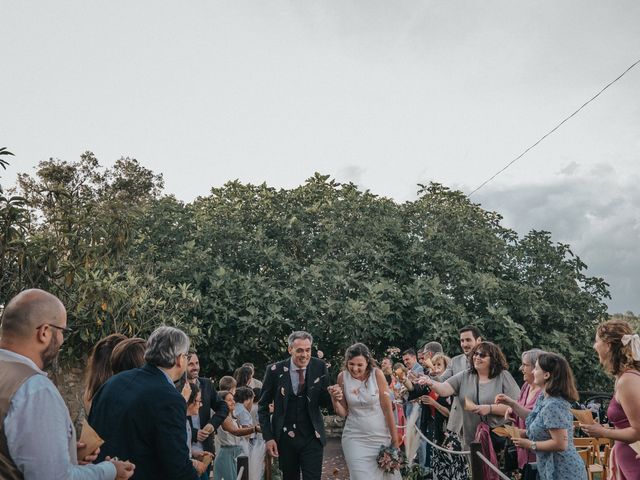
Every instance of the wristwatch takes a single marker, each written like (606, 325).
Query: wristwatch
(534, 447)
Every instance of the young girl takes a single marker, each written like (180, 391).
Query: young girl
(228, 441)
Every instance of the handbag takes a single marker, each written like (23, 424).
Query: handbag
(498, 442)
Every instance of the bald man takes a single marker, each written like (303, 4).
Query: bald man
(37, 438)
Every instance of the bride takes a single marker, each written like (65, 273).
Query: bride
(362, 396)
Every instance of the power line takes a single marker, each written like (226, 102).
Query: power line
(555, 128)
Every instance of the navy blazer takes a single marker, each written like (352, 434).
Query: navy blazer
(143, 418)
(276, 387)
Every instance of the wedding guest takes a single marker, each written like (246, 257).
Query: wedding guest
(618, 349)
(440, 364)
(194, 401)
(427, 417)
(244, 403)
(410, 360)
(212, 411)
(443, 465)
(469, 337)
(428, 351)
(386, 365)
(433, 415)
(254, 383)
(142, 417)
(228, 441)
(227, 384)
(481, 383)
(243, 376)
(399, 391)
(520, 409)
(128, 354)
(38, 440)
(99, 367)
(254, 405)
(549, 430)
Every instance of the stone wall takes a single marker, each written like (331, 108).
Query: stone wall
(70, 383)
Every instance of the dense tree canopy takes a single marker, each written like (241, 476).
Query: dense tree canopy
(242, 267)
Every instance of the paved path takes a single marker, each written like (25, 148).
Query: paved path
(334, 466)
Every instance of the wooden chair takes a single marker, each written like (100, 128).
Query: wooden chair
(588, 449)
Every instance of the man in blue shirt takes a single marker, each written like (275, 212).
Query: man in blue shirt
(37, 438)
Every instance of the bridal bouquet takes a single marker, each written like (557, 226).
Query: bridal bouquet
(391, 459)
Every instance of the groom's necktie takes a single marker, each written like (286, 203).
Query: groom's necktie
(300, 380)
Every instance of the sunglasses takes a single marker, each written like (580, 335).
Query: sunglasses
(480, 354)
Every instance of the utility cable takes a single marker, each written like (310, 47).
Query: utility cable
(555, 128)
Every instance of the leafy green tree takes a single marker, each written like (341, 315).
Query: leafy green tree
(82, 227)
(242, 267)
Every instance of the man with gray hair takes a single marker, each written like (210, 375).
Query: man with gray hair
(297, 386)
(426, 353)
(142, 417)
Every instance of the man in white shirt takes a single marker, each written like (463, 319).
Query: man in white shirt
(37, 438)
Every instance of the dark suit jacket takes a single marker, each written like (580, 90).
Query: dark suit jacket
(276, 388)
(210, 401)
(143, 418)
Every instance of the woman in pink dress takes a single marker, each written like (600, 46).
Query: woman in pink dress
(520, 409)
(619, 352)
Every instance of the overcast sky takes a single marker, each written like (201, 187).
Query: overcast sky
(387, 94)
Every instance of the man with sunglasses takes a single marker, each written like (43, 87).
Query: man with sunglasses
(37, 438)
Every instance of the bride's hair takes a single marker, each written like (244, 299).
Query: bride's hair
(360, 350)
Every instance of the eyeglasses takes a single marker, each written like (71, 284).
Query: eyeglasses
(66, 331)
(480, 354)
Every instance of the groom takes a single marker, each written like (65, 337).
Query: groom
(294, 432)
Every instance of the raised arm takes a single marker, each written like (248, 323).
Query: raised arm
(444, 389)
(230, 426)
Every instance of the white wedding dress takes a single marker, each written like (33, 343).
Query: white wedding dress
(365, 429)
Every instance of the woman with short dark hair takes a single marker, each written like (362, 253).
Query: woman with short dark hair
(549, 430)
